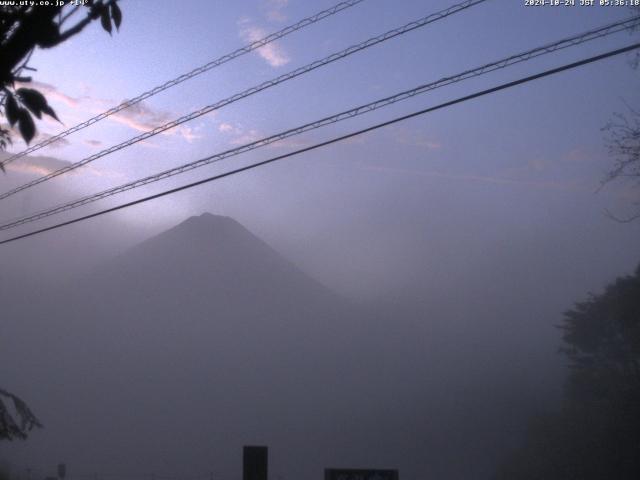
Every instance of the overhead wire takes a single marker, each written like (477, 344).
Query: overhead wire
(253, 90)
(353, 112)
(305, 22)
(450, 103)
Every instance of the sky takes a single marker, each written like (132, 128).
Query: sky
(486, 216)
(543, 136)
(538, 141)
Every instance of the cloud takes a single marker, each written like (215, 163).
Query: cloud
(185, 132)
(143, 118)
(415, 139)
(94, 143)
(248, 137)
(140, 117)
(52, 92)
(242, 137)
(40, 166)
(272, 53)
(275, 10)
(37, 165)
(226, 128)
(59, 143)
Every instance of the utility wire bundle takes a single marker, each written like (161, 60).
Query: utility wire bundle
(305, 22)
(253, 90)
(360, 110)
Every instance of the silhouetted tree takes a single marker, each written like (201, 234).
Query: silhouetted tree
(16, 418)
(22, 29)
(596, 435)
(623, 143)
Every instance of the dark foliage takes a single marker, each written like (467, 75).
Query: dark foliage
(623, 142)
(15, 424)
(22, 29)
(596, 435)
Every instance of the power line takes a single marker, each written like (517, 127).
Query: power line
(450, 103)
(189, 75)
(253, 90)
(360, 110)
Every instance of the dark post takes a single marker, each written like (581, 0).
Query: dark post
(254, 463)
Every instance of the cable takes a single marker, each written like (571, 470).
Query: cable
(360, 110)
(253, 90)
(187, 76)
(450, 103)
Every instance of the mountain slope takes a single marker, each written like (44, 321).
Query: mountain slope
(205, 338)
(202, 339)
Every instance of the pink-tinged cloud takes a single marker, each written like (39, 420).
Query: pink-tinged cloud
(142, 118)
(226, 128)
(94, 143)
(41, 165)
(37, 165)
(51, 92)
(272, 53)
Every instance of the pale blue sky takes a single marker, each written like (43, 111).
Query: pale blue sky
(534, 151)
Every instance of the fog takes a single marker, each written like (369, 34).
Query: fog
(164, 350)
(387, 302)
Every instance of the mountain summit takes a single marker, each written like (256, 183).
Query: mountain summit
(205, 338)
(214, 261)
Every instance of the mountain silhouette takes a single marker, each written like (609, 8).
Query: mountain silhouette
(204, 335)
(173, 355)
(211, 275)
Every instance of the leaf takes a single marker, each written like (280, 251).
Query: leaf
(49, 111)
(5, 138)
(36, 102)
(26, 126)
(106, 20)
(33, 100)
(116, 14)
(11, 109)
(48, 34)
